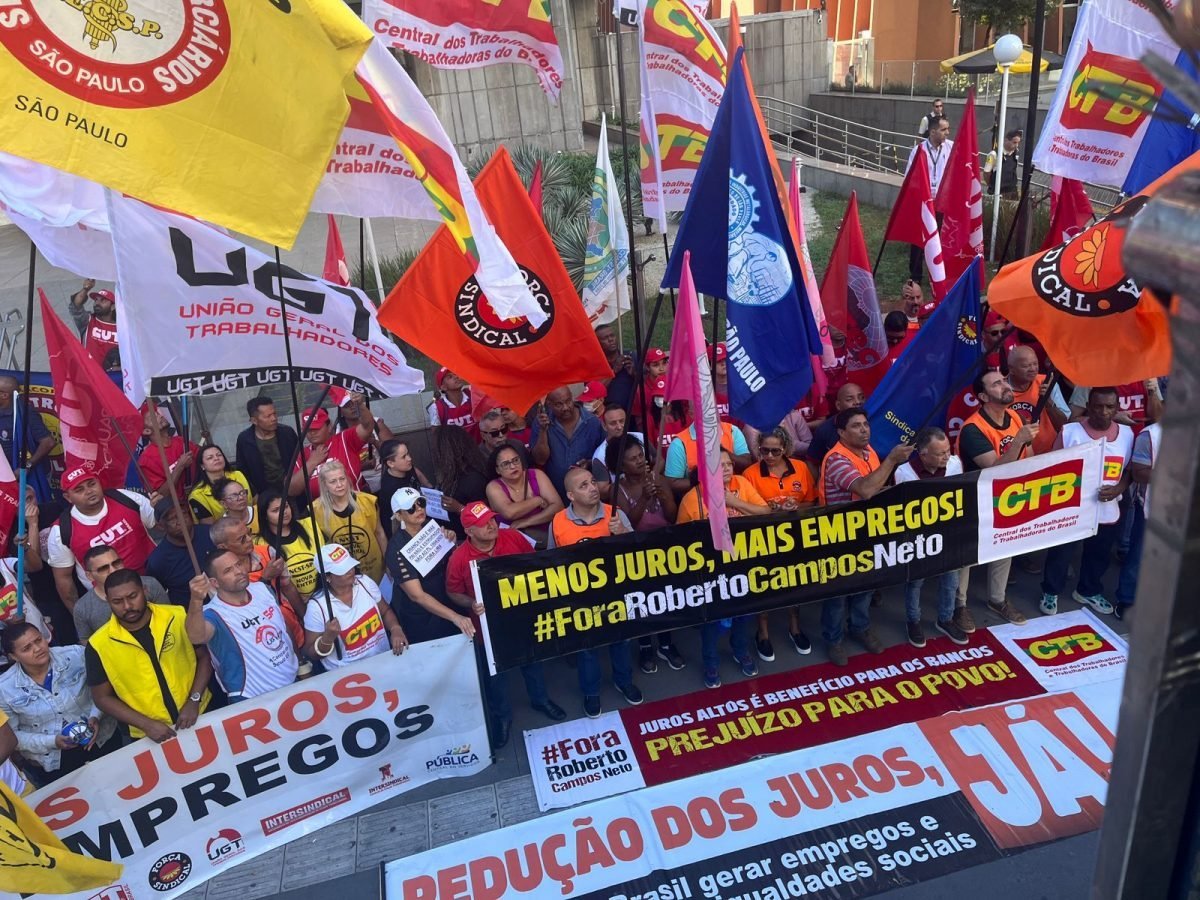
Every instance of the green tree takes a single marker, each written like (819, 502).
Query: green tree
(1002, 16)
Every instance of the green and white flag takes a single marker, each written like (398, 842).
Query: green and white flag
(606, 265)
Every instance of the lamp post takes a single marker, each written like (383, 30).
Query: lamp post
(1007, 51)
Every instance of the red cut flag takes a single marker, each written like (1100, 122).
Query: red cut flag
(1070, 212)
(960, 199)
(851, 305)
(9, 489)
(90, 408)
(336, 270)
(439, 307)
(535, 189)
(689, 378)
(913, 222)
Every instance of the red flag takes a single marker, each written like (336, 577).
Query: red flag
(913, 222)
(438, 306)
(335, 269)
(535, 189)
(1070, 212)
(960, 199)
(851, 305)
(90, 408)
(8, 497)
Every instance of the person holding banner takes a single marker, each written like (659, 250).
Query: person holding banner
(265, 448)
(787, 485)
(853, 471)
(44, 690)
(484, 540)
(355, 599)
(214, 467)
(350, 518)
(117, 517)
(932, 459)
(992, 436)
(143, 669)
(584, 519)
(418, 598)
(243, 627)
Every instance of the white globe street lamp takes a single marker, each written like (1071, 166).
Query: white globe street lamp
(1007, 51)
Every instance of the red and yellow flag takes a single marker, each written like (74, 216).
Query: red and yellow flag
(439, 307)
(1097, 324)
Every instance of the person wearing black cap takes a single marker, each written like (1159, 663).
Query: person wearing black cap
(169, 562)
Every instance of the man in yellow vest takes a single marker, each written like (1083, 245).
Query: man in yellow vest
(586, 519)
(851, 471)
(992, 436)
(141, 667)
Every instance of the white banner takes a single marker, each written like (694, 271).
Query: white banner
(200, 314)
(584, 759)
(1094, 137)
(684, 67)
(467, 34)
(1021, 502)
(264, 772)
(1066, 651)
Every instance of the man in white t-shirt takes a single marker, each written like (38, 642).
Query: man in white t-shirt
(932, 459)
(362, 624)
(243, 627)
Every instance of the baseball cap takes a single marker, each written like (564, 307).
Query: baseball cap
(73, 478)
(441, 375)
(657, 388)
(721, 352)
(476, 514)
(103, 295)
(336, 559)
(404, 499)
(162, 508)
(320, 418)
(593, 391)
(655, 354)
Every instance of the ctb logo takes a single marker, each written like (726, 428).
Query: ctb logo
(1110, 93)
(1050, 490)
(1064, 647)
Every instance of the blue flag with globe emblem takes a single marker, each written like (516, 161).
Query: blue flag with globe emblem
(752, 263)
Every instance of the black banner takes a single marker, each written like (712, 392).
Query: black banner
(857, 858)
(549, 604)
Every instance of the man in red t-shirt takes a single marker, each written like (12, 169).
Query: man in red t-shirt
(321, 444)
(485, 539)
(181, 460)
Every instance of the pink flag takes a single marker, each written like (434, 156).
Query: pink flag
(335, 270)
(689, 378)
(535, 188)
(827, 359)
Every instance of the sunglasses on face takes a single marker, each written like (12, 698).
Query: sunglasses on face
(417, 504)
(497, 433)
(999, 333)
(771, 451)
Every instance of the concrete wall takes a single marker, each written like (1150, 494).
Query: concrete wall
(787, 52)
(504, 104)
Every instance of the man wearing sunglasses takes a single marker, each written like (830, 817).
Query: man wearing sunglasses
(492, 432)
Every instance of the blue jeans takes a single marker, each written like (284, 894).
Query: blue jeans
(589, 668)
(947, 588)
(739, 641)
(1127, 583)
(1093, 563)
(497, 690)
(833, 615)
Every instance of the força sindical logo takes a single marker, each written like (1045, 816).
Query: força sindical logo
(112, 53)
(479, 321)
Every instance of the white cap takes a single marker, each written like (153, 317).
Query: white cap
(404, 499)
(336, 559)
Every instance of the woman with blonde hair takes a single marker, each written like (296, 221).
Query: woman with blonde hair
(350, 518)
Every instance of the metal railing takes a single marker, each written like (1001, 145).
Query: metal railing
(809, 132)
(12, 326)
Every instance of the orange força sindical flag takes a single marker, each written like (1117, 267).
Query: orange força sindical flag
(439, 308)
(1097, 324)
(416, 129)
(225, 111)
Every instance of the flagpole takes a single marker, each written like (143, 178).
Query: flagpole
(1039, 38)
(302, 430)
(21, 437)
(362, 254)
(156, 436)
(641, 339)
(667, 251)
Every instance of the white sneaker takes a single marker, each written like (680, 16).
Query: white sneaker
(1049, 605)
(1097, 602)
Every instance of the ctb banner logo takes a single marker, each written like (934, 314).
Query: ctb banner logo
(1050, 490)
(1070, 645)
(1110, 93)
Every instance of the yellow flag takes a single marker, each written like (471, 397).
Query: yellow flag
(226, 110)
(34, 861)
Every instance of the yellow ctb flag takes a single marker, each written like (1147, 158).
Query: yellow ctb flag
(226, 110)
(34, 861)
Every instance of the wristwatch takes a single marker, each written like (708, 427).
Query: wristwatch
(194, 696)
